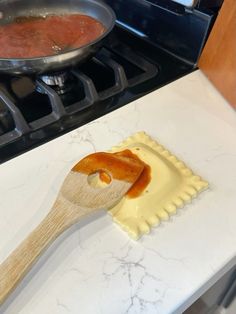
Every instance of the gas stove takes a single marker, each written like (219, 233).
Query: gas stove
(135, 60)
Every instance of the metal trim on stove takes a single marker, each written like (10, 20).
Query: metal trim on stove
(180, 30)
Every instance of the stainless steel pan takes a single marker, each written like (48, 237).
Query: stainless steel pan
(10, 9)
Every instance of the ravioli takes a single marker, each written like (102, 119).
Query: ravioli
(172, 185)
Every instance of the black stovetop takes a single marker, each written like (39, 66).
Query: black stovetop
(126, 68)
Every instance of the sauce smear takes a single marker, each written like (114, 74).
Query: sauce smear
(30, 37)
(122, 165)
(143, 180)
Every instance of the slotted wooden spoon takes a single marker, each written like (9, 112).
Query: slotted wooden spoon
(76, 199)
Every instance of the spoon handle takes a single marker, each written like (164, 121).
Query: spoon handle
(20, 261)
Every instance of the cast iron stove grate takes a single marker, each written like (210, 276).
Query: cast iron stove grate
(32, 112)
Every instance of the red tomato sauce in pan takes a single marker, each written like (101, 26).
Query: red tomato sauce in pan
(29, 37)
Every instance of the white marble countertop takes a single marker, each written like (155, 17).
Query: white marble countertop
(94, 267)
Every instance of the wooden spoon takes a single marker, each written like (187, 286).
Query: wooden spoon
(76, 199)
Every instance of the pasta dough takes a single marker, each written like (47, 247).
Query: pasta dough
(172, 185)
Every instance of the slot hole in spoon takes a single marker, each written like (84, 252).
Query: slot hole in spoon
(99, 179)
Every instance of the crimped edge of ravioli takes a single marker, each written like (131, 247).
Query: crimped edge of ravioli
(193, 185)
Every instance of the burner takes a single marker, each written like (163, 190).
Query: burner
(60, 81)
(56, 79)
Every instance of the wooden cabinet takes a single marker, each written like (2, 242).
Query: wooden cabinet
(218, 59)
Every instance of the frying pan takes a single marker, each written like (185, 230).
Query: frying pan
(10, 9)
